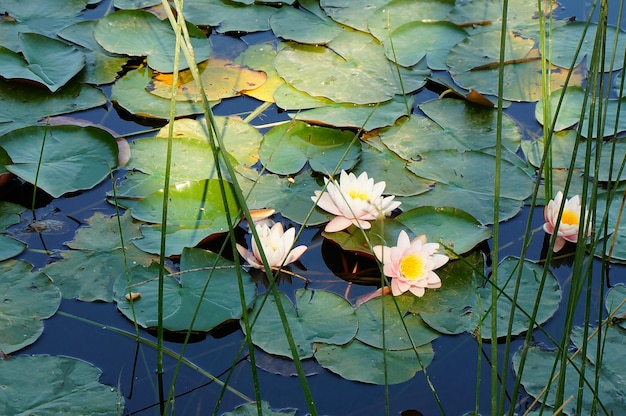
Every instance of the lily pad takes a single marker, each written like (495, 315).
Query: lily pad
(472, 311)
(287, 148)
(319, 316)
(615, 304)
(383, 232)
(261, 58)
(229, 16)
(360, 362)
(73, 158)
(101, 66)
(459, 184)
(250, 409)
(350, 13)
(22, 105)
(304, 27)
(206, 282)
(561, 150)
(9, 215)
(140, 33)
(45, 61)
(28, 298)
(131, 94)
(63, 385)
(221, 78)
(453, 228)
(352, 68)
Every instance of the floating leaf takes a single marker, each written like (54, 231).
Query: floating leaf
(382, 232)
(46, 61)
(229, 16)
(561, 150)
(474, 62)
(304, 27)
(319, 316)
(130, 93)
(453, 228)
(73, 158)
(615, 304)
(287, 148)
(9, 215)
(64, 386)
(140, 33)
(261, 58)
(350, 13)
(352, 69)
(460, 184)
(608, 388)
(205, 279)
(360, 362)
(101, 66)
(250, 409)
(486, 14)
(27, 299)
(22, 105)
(372, 328)
(34, 16)
(472, 311)
(221, 78)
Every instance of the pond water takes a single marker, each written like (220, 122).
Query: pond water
(90, 330)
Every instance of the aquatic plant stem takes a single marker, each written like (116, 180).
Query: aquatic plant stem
(43, 145)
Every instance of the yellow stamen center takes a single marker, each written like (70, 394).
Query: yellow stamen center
(412, 266)
(570, 217)
(358, 194)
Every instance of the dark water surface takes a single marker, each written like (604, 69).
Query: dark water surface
(453, 371)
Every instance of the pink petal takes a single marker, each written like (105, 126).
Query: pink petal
(337, 224)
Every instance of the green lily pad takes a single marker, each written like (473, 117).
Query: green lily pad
(140, 33)
(205, 279)
(572, 107)
(483, 15)
(319, 316)
(289, 196)
(472, 311)
(22, 105)
(74, 158)
(63, 385)
(384, 165)
(350, 13)
(615, 304)
(229, 16)
(303, 27)
(261, 58)
(474, 62)
(561, 150)
(131, 94)
(101, 66)
(360, 362)
(34, 16)
(372, 328)
(135, 4)
(45, 61)
(450, 124)
(250, 409)
(339, 73)
(9, 215)
(453, 228)
(459, 184)
(28, 298)
(609, 378)
(287, 148)
(565, 41)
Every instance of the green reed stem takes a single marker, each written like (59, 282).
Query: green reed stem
(34, 197)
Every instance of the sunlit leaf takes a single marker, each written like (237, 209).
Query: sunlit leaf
(35, 16)
(474, 62)
(28, 298)
(205, 280)
(101, 66)
(140, 33)
(63, 385)
(73, 158)
(228, 16)
(459, 184)
(453, 228)
(45, 61)
(221, 78)
(131, 94)
(261, 58)
(318, 316)
(22, 105)
(608, 386)
(351, 69)
(360, 362)
(304, 27)
(286, 149)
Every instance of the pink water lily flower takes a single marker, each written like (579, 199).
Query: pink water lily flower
(410, 264)
(354, 200)
(277, 245)
(570, 220)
